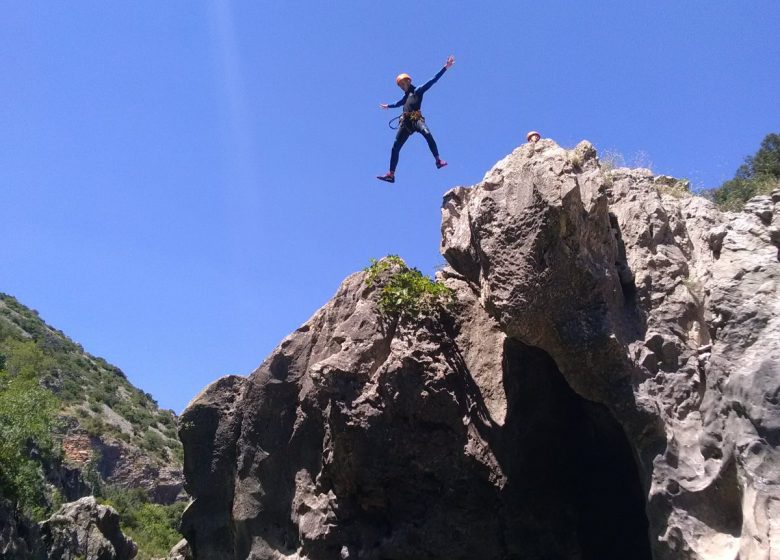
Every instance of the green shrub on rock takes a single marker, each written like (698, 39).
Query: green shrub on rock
(406, 291)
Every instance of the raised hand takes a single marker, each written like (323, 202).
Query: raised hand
(450, 61)
(383, 106)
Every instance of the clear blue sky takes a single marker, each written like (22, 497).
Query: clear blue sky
(184, 183)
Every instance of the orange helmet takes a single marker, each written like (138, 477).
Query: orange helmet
(531, 134)
(401, 77)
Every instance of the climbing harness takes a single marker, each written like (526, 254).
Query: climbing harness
(411, 117)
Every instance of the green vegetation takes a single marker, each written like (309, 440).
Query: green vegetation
(406, 291)
(154, 527)
(153, 441)
(760, 174)
(82, 384)
(27, 423)
(44, 374)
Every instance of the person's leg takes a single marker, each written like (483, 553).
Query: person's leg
(400, 139)
(423, 129)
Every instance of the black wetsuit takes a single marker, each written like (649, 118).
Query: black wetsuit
(412, 101)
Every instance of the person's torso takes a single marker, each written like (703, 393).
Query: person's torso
(413, 101)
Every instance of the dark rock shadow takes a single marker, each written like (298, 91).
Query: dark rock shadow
(570, 463)
(573, 489)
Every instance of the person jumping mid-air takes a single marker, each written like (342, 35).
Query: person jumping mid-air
(412, 120)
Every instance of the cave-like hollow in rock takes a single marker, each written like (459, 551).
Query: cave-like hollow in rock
(573, 489)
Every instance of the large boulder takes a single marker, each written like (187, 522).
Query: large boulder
(85, 530)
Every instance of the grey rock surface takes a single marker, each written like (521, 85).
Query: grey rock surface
(672, 321)
(181, 551)
(127, 466)
(85, 530)
(605, 386)
(17, 535)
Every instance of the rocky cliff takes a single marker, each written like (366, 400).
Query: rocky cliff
(605, 385)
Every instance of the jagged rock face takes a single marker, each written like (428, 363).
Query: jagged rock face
(360, 442)
(127, 466)
(672, 320)
(534, 238)
(85, 529)
(118, 464)
(604, 387)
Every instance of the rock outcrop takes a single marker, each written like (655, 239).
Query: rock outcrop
(655, 305)
(604, 386)
(126, 466)
(119, 465)
(84, 529)
(180, 551)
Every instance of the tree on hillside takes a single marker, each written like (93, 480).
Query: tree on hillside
(760, 174)
(27, 419)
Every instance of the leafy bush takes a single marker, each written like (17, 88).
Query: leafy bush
(25, 360)
(70, 390)
(27, 422)
(153, 527)
(106, 395)
(759, 174)
(733, 194)
(141, 418)
(93, 425)
(153, 441)
(407, 291)
(171, 433)
(165, 417)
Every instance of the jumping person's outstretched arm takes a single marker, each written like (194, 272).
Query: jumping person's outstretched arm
(396, 104)
(448, 64)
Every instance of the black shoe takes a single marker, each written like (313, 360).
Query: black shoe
(389, 177)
